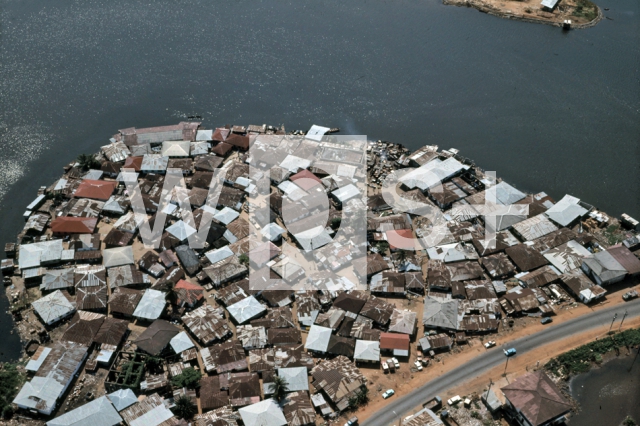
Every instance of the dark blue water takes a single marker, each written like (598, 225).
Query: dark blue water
(547, 110)
(608, 394)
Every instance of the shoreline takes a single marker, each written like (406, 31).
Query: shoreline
(492, 10)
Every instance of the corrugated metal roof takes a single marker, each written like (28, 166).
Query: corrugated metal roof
(99, 412)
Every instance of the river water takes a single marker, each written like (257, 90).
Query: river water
(608, 394)
(547, 110)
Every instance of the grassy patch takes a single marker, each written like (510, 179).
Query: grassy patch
(585, 9)
(614, 234)
(579, 360)
(11, 380)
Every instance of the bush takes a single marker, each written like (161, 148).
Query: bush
(11, 380)
(579, 359)
(189, 378)
(628, 421)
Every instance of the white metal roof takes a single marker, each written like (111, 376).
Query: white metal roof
(154, 162)
(566, 210)
(263, 413)
(181, 230)
(98, 412)
(117, 256)
(204, 135)
(113, 205)
(34, 364)
(346, 193)
(549, 3)
(367, 350)
(41, 392)
(313, 238)
(246, 309)
(30, 255)
(176, 148)
(272, 231)
(296, 377)
(53, 307)
(93, 174)
(153, 417)
(226, 215)
(293, 163)
(316, 133)
(318, 338)
(568, 256)
(535, 227)
(181, 342)
(151, 305)
(505, 194)
(432, 173)
(122, 398)
(219, 254)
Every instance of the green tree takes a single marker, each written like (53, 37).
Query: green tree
(383, 246)
(11, 381)
(185, 408)
(244, 259)
(362, 395)
(153, 363)
(280, 388)
(87, 161)
(628, 421)
(189, 378)
(335, 222)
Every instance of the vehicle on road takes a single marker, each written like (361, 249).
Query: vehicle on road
(388, 393)
(546, 320)
(630, 295)
(433, 404)
(490, 344)
(418, 365)
(352, 421)
(454, 400)
(510, 352)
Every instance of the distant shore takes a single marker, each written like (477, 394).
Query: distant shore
(582, 13)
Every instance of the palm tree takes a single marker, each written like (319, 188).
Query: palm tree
(87, 161)
(185, 408)
(280, 388)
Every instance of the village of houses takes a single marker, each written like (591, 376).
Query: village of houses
(93, 304)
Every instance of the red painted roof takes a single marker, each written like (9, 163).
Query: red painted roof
(401, 239)
(96, 189)
(240, 141)
(305, 180)
(74, 225)
(133, 163)
(188, 293)
(394, 341)
(220, 134)
(221, 149)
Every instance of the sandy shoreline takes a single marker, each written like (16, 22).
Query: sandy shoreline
(521, 11)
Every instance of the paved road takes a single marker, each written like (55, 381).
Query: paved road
(493, 357)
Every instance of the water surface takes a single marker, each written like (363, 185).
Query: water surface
(549, 111)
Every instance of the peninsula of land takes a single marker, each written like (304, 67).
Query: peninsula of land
(567, 13)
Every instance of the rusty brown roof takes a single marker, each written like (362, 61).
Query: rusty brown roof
(537, 398)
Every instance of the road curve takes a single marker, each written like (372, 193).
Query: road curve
(401, 407)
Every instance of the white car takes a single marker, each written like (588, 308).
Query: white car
(454, 400)
(418, 365)
(395, 362)
(490, 344)
(388, 393)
